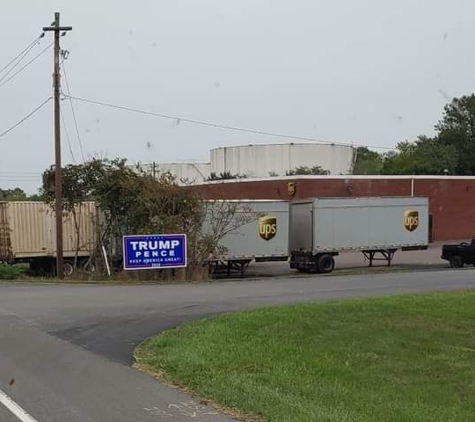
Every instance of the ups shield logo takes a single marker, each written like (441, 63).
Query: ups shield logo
(291, 188)
(267, 227)
(411, 220)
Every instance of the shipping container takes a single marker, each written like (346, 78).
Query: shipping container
(320, 228)
(28, 232)
(256, 231)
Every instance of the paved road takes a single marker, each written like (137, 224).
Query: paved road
(68, 347)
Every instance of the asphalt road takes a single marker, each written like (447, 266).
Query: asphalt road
(66, 350)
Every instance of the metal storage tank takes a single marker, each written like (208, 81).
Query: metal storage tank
(185, 173)
(277, 159)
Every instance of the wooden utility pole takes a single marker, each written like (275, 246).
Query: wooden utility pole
(58, 180)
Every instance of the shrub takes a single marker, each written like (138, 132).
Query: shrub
(10, 272)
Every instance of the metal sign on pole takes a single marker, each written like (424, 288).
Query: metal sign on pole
(57, 29)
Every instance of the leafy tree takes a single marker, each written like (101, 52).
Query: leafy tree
(36, 197)
(133, 201)
(368, 161)
(305, 170)
(424, 156)
(227, 175)
(15, 194)
(457, 129)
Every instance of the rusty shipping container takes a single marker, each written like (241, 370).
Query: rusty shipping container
(28, 231)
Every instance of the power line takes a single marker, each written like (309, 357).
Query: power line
(25, 66)
(32, 173)
(26, 49)
(31, 113)
(12, 68)
(67, 137)
(73, 112)
(217, 125)
(20, 179)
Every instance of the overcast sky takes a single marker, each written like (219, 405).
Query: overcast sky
(366, 72)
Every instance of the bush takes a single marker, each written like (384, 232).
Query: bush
(10, 272)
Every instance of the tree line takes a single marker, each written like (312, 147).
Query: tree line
(451, 151)
(18, 194)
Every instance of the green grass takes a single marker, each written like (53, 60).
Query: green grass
(407, 358)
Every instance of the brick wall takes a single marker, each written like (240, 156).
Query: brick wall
(451, 201)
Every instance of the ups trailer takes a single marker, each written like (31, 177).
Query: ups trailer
(252, 230)
(321, 228)
(28, 234)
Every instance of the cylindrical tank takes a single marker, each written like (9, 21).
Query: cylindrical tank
(277, 159)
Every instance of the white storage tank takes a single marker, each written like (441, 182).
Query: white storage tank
(276, 159)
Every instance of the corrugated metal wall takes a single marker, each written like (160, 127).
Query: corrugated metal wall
(27, 229)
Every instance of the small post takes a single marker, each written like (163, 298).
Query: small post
(106, 260)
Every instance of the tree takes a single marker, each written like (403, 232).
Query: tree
(457, 129)
(424, 156)
(78, 185)
(132, 201)
(305, 170)
(227, 175)
(368, 161)
(15, 194)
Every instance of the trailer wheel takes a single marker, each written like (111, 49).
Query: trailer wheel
(456, 262)
(325, 264)
(68, 268)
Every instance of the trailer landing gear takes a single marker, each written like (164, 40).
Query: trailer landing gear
(232, 266)
(386, 255)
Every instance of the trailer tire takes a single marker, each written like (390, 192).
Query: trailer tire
(325, 263)
(68, 268)
(456, 261)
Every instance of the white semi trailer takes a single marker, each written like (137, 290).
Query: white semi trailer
(321, 228)
(259, 232)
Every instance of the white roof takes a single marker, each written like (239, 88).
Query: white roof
(340, 177)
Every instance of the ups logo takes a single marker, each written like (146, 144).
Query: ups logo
(291, 188)
(411, 220)
(267, 227)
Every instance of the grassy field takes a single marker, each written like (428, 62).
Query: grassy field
(407, 358)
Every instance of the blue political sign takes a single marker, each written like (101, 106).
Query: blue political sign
(154, 251)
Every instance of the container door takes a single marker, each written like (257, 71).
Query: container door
(301, 226)
(431, 233)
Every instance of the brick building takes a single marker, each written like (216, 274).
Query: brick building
(451, 198)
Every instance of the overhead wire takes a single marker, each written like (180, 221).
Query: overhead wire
(19, 172)
(12, 68)
(81, 149)
(66, 132)
(3, 82)
(23, 53)
(31, 113)
(19, 176)
(217, 125)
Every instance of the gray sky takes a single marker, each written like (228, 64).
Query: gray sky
(369, 72)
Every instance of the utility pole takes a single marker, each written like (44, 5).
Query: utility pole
(58, 180)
